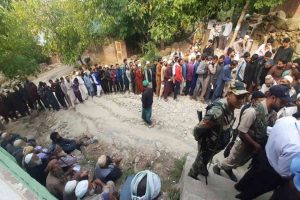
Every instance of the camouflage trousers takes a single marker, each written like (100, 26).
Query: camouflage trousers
(206, 151)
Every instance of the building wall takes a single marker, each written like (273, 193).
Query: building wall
(112, 53)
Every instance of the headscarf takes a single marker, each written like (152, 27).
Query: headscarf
(152, 188)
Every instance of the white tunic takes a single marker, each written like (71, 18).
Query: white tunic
(283, 144)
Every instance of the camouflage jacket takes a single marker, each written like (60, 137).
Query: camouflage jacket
(217, 119)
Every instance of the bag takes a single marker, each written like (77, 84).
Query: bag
(234, 133)
(204, 133)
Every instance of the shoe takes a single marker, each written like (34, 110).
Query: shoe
(238, 196)
(231, 175)
(193, 176)
(203, 171)
(237, 187)
(217, 170)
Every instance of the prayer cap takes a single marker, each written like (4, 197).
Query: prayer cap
(102, 161)
(81, 188)
(28, 158)
(70, 186)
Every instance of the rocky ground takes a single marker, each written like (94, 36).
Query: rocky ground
(115, 120)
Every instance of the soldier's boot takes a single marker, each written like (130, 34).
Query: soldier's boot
(203, 170)
(231, 175)
(193, 174)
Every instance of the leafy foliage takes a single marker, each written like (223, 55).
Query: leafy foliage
(150, 52)
(19, 52)
(69, 27)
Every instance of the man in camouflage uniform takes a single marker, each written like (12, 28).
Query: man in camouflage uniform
(252, 132)
(261, 177)
(210, 132)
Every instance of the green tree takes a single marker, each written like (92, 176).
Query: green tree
(19, 52)
(71, 26)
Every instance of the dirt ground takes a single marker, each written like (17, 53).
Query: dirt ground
(115, 121)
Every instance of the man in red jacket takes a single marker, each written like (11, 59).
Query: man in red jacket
(178, 78)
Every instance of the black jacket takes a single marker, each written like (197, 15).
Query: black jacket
(147, 98)
(285, 54)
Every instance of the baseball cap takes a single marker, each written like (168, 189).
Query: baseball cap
(237, 88)
(295, 170)
(281, 92)
(257, 94)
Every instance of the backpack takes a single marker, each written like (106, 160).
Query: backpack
(222, 137)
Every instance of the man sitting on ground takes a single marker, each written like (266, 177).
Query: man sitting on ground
(56, 179)
(107, 169)
(35, 167)
(66, 161)
(67, 145)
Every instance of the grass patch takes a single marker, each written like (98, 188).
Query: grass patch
(89, 160)
(173, 179)
(126, 172)
(177, 170)
(174, 194)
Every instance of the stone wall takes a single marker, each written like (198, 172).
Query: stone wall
(290, 7)
(112, 53)
(283, 27)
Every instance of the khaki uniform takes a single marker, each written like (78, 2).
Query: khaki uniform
(256, 127)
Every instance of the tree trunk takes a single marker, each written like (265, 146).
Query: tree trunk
(238, 25)
(162, 45)
(80, 60)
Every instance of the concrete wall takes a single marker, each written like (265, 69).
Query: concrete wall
(290, 7)
(113, 53)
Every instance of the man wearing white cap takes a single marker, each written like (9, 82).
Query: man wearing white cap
(82, 189)
(36, 167)
(69, 191)
(269, 82)
(107, 169)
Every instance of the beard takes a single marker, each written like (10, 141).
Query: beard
(36, 163)
(276, 108)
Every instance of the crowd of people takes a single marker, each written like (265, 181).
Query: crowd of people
(59, 170)
(264, 86)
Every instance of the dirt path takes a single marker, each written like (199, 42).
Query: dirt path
(116, 119)
(58, 71)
